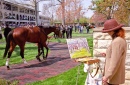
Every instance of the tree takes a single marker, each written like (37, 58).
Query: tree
(49, 11)
(98, 19)
(72, 11)
(118, 9)
(84, 20)
(62, 2)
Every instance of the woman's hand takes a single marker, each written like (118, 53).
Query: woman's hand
(104, 80)
(103, 54)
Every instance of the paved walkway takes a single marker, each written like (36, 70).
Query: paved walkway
(58, 62)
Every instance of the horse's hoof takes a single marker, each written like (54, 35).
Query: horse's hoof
(39, 59)
(8, 68)
(27, 64)
(44, 59)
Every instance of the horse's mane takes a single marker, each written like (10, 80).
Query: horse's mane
(46, 27)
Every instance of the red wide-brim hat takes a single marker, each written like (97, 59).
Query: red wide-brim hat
(111, 25)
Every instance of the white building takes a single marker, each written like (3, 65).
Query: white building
(44, 20)
(16, 14)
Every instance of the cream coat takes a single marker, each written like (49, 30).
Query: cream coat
(115, 61)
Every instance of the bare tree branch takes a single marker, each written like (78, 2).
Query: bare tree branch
(59, 1)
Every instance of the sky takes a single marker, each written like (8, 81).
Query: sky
(85, 3)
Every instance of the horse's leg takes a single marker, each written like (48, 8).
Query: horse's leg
(39, 53)
(42, 48)
(12, 46)
(46, 50)
(22, 52)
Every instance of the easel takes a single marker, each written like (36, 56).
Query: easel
(86, 60)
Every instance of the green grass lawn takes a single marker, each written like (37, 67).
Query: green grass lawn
(29, 54)
(70, 77)
(66, 78)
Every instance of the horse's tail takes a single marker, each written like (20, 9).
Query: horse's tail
(9, 38)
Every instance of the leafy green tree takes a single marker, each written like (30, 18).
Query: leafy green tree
(83, 20)
(118, 9)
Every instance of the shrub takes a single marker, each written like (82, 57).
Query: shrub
(6, 82)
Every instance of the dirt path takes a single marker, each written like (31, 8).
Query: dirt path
(58, 62)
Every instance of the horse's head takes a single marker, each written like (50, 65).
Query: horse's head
(57, 31)
(48, 29)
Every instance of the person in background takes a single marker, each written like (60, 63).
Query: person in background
(0, 28)
(81, 29)
(67, 31)
(75, 27)
(88, 28)
(6, 31)
(62, 28)
(71, 29)
(0, 32)
(114, 72)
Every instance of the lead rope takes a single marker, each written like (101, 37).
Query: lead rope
(48, 38)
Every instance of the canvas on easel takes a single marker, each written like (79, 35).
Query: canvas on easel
(78, 48)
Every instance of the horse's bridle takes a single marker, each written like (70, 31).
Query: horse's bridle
(42, 29)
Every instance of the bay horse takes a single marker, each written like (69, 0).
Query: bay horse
(20, 35)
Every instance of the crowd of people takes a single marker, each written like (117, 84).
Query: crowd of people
(80, 28)
(66, 30)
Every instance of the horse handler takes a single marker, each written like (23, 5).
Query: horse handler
(6, 31)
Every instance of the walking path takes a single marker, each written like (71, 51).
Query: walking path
(58, 62)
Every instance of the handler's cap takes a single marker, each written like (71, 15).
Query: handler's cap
(111, 25)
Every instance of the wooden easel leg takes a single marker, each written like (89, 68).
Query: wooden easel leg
(78, 73)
